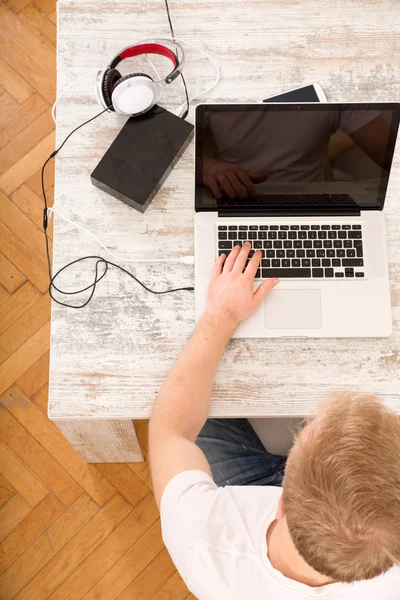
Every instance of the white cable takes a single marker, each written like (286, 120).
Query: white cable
(66, 89)
(212, 61)
(186, 260)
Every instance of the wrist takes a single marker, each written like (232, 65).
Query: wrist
(222, 323)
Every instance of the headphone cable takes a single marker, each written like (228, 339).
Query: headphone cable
(186, 112)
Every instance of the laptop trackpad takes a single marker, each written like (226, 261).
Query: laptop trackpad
(293, 309)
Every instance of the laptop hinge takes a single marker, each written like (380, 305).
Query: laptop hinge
(290, 213)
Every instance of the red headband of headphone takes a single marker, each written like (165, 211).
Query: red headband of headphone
(146, 48)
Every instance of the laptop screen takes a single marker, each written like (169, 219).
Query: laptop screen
(294, 157)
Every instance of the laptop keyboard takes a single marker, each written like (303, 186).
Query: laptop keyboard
(292, 200)
(300, 251)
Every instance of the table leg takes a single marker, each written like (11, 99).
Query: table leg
(102, 441)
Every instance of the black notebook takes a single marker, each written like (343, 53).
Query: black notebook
(143, 154)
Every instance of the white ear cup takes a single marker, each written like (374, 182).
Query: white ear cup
(99, 88)
(134, 94)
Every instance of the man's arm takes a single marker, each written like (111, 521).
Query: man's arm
(183, 404)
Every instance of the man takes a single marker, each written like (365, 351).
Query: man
(334, 530)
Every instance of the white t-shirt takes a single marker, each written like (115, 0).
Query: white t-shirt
(217, 540)
(287, 146)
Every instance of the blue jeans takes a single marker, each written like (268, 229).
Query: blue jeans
(237, 456)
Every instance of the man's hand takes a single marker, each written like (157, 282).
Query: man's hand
(234, 181)
(230, 295)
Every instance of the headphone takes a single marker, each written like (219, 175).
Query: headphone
(136, 93)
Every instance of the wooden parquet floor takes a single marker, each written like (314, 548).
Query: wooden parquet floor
(68, 530)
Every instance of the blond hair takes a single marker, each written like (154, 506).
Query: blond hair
(341, 490)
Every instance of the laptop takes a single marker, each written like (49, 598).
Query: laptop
(306, 185)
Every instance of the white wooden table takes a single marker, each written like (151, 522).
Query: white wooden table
(109, 360)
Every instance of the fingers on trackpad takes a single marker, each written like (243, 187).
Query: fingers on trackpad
(293, 309)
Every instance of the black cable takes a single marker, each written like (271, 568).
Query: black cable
(99, 260)
(185, 114)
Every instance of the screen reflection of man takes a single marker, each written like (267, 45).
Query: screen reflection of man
(243, 149)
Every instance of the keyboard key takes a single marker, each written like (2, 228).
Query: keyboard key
(321, 253)
(225, 245)
(294, 227)
(262, 235)
(284, 227)
(285, 273)
(306, 262)
(325, 227)
(270, 253)
(328, 272)
(316, 262)
(359, 251)
(257, 244)
(242, 235)
(272, 235)
(310, 253)
(346, 226)
(297, 244)
(349, 272)
(252, 235)
(315, 227)
(302, 235)
(339, 274)
(292, 235)
(232, 227)
(222, 235)
(307, 244)
(280, 253)
(243, 227)
(356, 226)
(290, 253)
(317, 243)
(340, 253)
(276, 263)
(278, 244)
(322, 235)
(327, 243)
(352, 262)
(265, 262)
(312, 235)
(347, 244)
(336, 262)
(326, 262)
(258, 274)
(350, 253)
(274, 227)
(222, 228)
(232, 235)
(317, 272)
(221, 252)
(342, 235)
(353, 235)
(332, 235)
(263, 227)
(286, 263)
(337, 243)
(335, 226)
(288, 244)
(253, 227)
(300, 253)
(330, 253)
(282, 235)
(295, 262)
(239, 243)
(359, 274)
(304, 227)
(267, 244)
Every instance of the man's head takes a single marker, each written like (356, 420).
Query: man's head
(341, 491)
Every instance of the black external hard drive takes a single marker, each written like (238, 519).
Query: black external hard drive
(143, 154)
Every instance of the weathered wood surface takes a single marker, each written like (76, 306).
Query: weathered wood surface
(109, 360)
